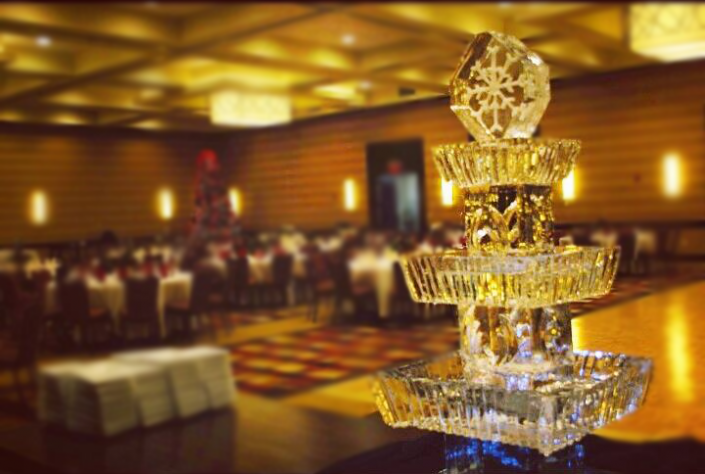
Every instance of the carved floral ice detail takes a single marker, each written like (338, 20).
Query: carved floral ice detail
(515, 377)
(500, 89)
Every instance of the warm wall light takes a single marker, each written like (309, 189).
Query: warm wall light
(568, 187)
(446, 192)
(249, 109)
(671, 175)
(349, 195)
(44, 41)
(235, 201)
(166, 204)
(39, 208)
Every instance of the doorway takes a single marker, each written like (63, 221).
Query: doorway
(396, 184)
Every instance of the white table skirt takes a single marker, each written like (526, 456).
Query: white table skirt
(381, 271)
(110, 294)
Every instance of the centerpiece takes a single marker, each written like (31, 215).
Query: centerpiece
(515, 378)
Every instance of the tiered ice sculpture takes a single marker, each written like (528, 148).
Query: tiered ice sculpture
(515, 378)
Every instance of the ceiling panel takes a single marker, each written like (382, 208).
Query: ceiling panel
(155, 64)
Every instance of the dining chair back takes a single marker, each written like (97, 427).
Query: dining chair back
(401, 290)
(207, 281)
(29, 335)
(74, 301)
(238, 279)
(141, 299)
(282, 266)
(626, 240)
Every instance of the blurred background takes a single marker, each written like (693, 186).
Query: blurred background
(246, 176)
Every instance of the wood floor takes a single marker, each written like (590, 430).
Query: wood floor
(668, 327)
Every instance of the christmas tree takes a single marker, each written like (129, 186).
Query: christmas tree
(213, 218)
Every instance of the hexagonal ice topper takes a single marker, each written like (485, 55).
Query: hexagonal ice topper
(500, 88)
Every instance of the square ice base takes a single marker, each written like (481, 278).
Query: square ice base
(436, 395)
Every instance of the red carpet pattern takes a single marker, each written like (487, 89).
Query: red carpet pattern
(288, 364)
(248, 317)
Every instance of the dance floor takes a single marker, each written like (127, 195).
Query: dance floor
(285, 365)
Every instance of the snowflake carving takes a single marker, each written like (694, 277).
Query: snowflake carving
(500, 89)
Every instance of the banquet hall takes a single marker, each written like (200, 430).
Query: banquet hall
(237, 237)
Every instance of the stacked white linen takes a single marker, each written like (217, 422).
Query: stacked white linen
(102, 398)
(141, 388)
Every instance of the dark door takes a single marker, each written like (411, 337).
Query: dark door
(395, 178)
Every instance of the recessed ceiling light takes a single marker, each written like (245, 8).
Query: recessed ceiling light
(365, 85)
(504, 4)
(348, 39)
(43, 41)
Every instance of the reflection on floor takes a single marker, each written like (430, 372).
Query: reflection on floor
(329, 368)
(286, 365)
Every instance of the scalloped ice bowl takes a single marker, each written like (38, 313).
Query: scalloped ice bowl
(527, 280)
(439, 395)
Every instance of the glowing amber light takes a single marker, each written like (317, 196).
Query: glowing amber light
(568, 187)
(668, 31)
(235, 201)
(39, 208)
(349, 201)
(672, 176)
(166, 204)
(446, 192)
(241, 108)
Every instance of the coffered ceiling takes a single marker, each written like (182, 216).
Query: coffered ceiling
(155, 65)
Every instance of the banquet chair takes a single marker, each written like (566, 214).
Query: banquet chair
(207, 299)
(361, 294)
(627, 253)
(238, 282)
(282, 266)
(20, 354)
(14, 301)
(402, 303)
(77, 313)
(141, 306)
(320, 281)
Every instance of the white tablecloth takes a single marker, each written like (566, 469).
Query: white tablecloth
(260, 268)
(380, 270)
(110, 294)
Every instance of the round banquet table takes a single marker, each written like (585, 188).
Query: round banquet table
(110, 294)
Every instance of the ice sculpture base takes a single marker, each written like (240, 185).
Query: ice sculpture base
(438, 395)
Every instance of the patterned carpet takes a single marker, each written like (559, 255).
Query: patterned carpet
(289, 364)
(260, 316)
(283, 365)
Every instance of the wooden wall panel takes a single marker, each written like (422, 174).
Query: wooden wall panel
(627, 121)
(94, 180)
(295, 174)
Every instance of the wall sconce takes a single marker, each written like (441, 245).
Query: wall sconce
(39, 208)
(235, 201)
(349, 200)
(568, 187)
(166, 204)
(672, 175)
(446, 193)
